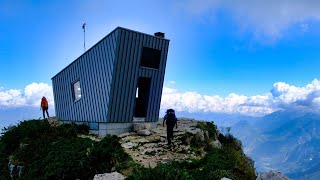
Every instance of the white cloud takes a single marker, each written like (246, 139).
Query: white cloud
(195, 102)
(31, 96)
(263, 18)
(282, 96)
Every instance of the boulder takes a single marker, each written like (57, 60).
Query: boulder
(138, 126)
(200, 136)
(141, 126)
(224, 178)
(144, 132)
(216, 144)
(128, 145)
(109, 176)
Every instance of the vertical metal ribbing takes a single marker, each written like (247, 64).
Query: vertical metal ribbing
(125, 83)
(80, 106)
(154, 81)
(82, 76)
(104, 87)
(130, 78)
(71, 111)
(98, 80)
(108, 75)
(94, 84)
(162, 71)
(109, 68)
(108, 72)
(75, 105)
(88, 87)
(64, 96)
(115, 79)
(157, 78)
(135, 72)
(85, 87)
(82, 116)
(115, 52)
(124, 106)
(60, 97)
(103, 60)
(56, 85)
(74, 76)
(148, 43)
(94, 90)
(121, 80)
(54, 91)
(69, 100)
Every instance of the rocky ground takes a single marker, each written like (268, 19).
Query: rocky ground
(152, 149)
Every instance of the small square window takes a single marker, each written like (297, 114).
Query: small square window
(150, 58)
(76, 91)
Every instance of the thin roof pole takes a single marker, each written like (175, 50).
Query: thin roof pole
(84, 36)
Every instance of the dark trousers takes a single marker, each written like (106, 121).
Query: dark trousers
(45, 110)
(169, 133)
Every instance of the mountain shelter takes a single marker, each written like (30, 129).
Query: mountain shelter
(115, 83)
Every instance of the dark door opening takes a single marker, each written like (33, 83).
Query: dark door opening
(142, 97)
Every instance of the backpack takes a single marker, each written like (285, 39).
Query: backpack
(44, 103)
(171, 118)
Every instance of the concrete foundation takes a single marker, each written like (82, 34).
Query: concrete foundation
(114, 128)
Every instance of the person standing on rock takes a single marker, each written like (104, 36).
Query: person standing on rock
(44, 106)
(171, 121)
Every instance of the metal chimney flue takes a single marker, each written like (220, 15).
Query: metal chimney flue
(159, 34)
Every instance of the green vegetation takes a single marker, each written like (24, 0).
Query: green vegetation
(57, 152)
(210, 127)
(52, 152)
(219, 163)
(228, 161)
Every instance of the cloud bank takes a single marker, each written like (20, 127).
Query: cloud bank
(263, 18)
(30, 96)
(281, 97)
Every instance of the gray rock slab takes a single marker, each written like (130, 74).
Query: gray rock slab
(109, 176)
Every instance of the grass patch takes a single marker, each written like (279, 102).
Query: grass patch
(49, 152)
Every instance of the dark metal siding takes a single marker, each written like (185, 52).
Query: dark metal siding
(94, 69)
(108, 74)
(127, 71)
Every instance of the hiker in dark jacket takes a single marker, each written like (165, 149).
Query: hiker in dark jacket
(171, 121)
(44, 106)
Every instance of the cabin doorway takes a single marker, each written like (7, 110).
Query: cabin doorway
(142, 97)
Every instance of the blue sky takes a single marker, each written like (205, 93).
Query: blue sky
(217, 48)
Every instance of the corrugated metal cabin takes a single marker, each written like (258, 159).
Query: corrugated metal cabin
(115, 83)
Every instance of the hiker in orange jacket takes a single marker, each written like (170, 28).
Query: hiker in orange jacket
(44, 106)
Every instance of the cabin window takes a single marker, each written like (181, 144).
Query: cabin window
(76, 91)
(150, 58)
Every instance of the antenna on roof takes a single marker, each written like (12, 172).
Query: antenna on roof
(84, 36)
